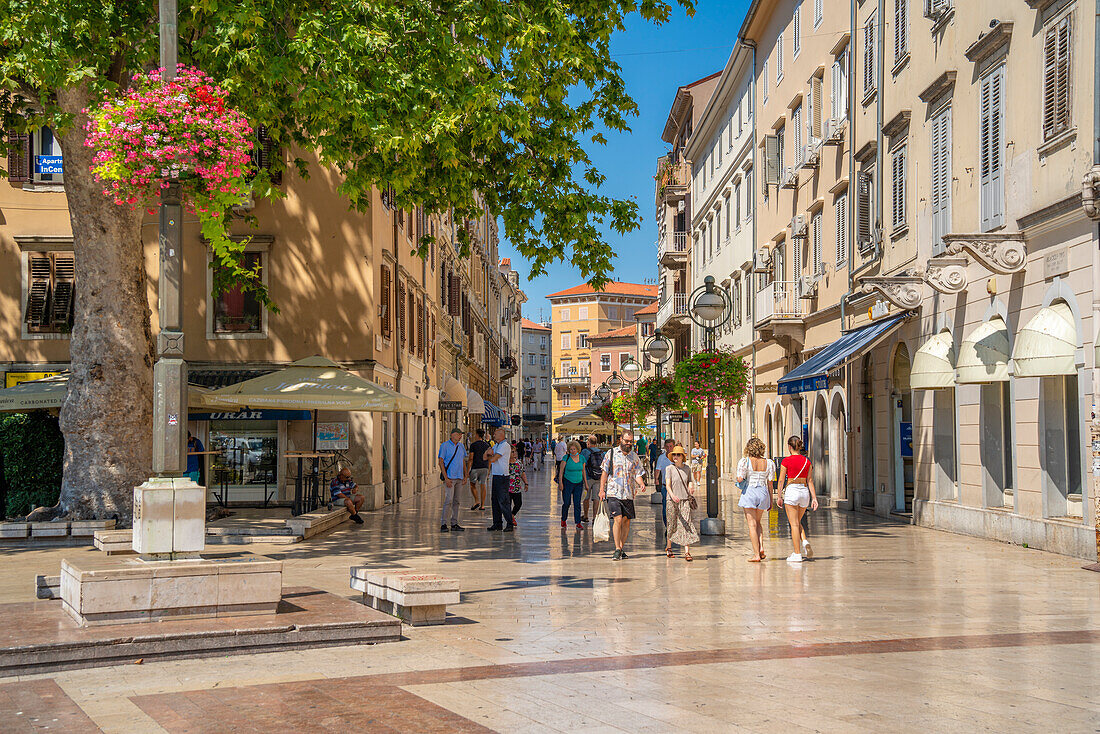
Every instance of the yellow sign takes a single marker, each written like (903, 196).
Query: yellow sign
(11, 379)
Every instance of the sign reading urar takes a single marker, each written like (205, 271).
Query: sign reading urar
(48, 164)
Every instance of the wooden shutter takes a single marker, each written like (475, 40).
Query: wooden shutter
(1056, 79)
(771, 162)
(869, 56)
(401, 312)
(864, 214)
(19, 158)
(991, 157)
(454, 302)
(897, 198)
(841, 208)
(387, 303)
(38, 290)
(64, 290)
(941, 178)
(796, 29)
(813, 119)
(816, 233)
(421, 329)
(265, 153)
(796, 123)
(901, 29)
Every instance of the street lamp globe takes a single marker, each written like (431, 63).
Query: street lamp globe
(709, 305)
(631, 370)
(602, 392)
(615, 383)
(658, 348)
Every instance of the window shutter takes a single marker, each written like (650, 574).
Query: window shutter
(835, 91)
(815, 112)
(865, 217)
(869, 56)
(38, 290)
(901, 29)
(265, 153)
(454, 303)
(817, 12)
(421, 329)
(796, 29)
(796, 124)
(992, 148)
(1056, 78)
(941, 178)
(841, 208)
(64, 290)
(771, 162)
(818, 269)
(19, 158)
(401, 312)
(898, 187)
(796, 270)
(410, 314)
(387, 305)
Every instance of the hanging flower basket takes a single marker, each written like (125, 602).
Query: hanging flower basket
(654, 391)
(625, 409)
(605, 412)
(712, 374)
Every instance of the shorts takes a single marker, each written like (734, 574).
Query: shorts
(797, 495)
(755, 497)
(479, 476)
(616, 507)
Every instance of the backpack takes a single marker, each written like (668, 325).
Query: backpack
(593, 464)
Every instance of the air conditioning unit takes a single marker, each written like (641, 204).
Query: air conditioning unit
(834, 131)
(790, 177)
(799, 230)
(936, 9)
(762, 261)
(807, 285)
(811, 154)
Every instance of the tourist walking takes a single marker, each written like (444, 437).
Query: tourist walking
(559, 454)
(593, 470)
(656, 450)
(479, 469)
(453, 470)
(681, 490)
(698, 461)
(517, 481)
(797, 494)
(756, 477)
(622, 472)
(573, 481)
(500, 457)
(663, 462)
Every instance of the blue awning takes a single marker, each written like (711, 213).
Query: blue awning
(813, 374)
(493, 415)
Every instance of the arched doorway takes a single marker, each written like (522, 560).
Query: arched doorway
(768, 428)
(779, 440)
(838, 450)
(819, 447)
(867, 435)
(902, 429)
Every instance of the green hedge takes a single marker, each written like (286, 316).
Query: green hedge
(33, 451)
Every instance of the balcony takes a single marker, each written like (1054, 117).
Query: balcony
(508, 367)
(673, 311)
(672, 249)
(779, 309)
(528, 394)
(571, 381)
(673, 180)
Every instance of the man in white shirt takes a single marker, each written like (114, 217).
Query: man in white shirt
(499, 456)
(559, 455)
(622, 472)
(659, 469)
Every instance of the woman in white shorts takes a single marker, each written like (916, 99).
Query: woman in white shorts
(796, 479)
(756, 478)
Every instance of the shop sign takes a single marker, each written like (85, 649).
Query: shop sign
(11, 379)
(254, 415)
(332, 436)
(48, 164)
(906, 431)
(679, 417)
(450, 405)
(880, 309)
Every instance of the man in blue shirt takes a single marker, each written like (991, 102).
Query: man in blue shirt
(452, 468)
(344, 492)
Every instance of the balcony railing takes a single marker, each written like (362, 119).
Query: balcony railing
(779, 300)
(672, 248)
(577, 380)
(673, 179)
(675, 306)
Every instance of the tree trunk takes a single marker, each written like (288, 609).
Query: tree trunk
(107, 416)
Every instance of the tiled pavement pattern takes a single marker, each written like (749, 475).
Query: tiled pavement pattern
(40, 705)
(716, 645)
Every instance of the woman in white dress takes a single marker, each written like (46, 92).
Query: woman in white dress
(681, 493)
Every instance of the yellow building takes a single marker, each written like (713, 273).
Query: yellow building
(581, 312)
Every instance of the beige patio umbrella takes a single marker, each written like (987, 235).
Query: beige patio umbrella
(313, 383)
(49, 392)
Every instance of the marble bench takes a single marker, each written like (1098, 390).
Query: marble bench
(312, 523)
(417, 598)
(114, 542)
(75, 531)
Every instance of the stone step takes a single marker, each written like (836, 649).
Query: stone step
(281, 539)
(312, 523)
(47, 587)
(249, 531)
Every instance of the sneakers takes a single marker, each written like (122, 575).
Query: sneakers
(444, 529)
(580, 525)
(494, 527)
(356, 519)
(617, 555)
(807, 551)
(563, 523)
(457, 529)
(510, 528)
(794, 558)
(622, 554)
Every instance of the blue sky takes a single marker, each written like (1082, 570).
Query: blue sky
(655, 61)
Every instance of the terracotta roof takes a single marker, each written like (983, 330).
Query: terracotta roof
(651, 308)
(617, 333)
(507, 262)
(613, 288)
(529, 324)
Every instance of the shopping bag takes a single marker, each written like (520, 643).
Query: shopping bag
(601, 526)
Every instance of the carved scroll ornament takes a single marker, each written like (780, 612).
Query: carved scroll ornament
(1003, 254)
(905, 292)
(947, 275)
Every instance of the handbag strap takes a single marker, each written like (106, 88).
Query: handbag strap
(453, 455)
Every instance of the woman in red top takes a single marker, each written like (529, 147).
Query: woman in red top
(796, 494)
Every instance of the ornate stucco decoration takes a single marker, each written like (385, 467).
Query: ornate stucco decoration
(1001, 253)
(904, 291)
(947, 274)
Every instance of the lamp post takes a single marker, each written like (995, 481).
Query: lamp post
(631, 372)
(709, 307)
(659, 351)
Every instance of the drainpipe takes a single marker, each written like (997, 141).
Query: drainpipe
(751, 45)
(1092, 209)
(880, 151)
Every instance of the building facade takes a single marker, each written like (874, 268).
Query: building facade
(535, 368)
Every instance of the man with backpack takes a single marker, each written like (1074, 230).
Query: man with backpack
(593, 458)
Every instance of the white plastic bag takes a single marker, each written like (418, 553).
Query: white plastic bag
(601, 526)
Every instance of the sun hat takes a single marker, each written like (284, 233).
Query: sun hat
(678, 449)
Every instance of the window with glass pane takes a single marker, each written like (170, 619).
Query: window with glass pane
(237, 311)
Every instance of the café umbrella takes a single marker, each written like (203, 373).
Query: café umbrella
(49, 393)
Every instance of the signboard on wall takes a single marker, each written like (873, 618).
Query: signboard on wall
(906, 435)
(49, 164)
(332, 436)
(11, 379)
(450, 405)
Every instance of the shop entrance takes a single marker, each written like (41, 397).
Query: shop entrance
(245, 468)
(903, 432)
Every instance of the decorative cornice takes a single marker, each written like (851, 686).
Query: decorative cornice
(942, 83)
(988, 43)
(947, 274)
(904, 291)
(867, 151)
(897, 123)
(1001, 253)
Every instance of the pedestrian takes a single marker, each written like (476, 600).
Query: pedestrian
(194, 446)
(346, 492)
(656, 451)
(681, 490)
(479, 469)
(453, 469)
(797, 494)
(559, 455)
(622, 471)
(573, 481)
(643, 444)
(517, 481)
(756, 477)
(500, 455)
(662, 463)
(593, 463)
(698, 459)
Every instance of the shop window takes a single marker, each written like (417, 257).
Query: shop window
(246, 466)
(34, 157)
(996, 444)
(1062, 446)
(50, 279)
(238, 311)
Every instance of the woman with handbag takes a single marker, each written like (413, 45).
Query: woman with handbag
(681, 491)
(798, 494)
(756, 479)
(574, 481)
